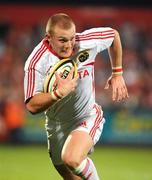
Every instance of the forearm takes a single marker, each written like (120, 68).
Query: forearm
(40, 102)
(115, 52)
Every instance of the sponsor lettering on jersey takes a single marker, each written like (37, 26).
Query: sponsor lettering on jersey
(83, 73)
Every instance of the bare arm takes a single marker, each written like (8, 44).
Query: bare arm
(116, 81)
(115, 51)
(42, 101)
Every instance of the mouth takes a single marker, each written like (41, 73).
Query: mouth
(67, 52)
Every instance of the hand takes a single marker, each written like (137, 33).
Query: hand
(65, 86)
(119, 89)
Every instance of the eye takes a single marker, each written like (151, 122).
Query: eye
(62, 41)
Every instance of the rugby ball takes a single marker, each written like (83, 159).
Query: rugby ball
(63, 67)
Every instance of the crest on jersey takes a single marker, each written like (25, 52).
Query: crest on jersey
(83, 55)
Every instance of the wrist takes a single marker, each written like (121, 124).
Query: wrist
(56, 95)
(117, 71)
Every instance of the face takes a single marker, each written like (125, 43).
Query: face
(63, 41)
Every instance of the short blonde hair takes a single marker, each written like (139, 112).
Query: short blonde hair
(62, 20)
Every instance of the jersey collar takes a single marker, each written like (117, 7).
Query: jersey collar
(45, 42)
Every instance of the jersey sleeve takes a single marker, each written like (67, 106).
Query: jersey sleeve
(34, 72)
(33, 83)
(100, 38)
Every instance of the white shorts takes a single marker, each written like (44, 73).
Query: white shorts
(93, 125)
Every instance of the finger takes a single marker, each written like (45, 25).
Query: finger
(77, 77)
(70, 75)
(125, 92)
(57, 76)
(127, 95)
(106, 86)
(74, 82)
(114, 94)
(121, 94)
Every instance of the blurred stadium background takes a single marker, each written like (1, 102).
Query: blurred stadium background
(124, 151)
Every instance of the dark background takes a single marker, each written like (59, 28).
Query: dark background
(22, 26)
(128, 3)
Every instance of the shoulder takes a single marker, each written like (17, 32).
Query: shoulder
(95, 34)
(36, 56)
(99, 38)
(95, 31)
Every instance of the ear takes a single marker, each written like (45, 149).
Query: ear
(48, 36)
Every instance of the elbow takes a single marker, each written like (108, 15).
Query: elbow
(116, 34)
(31, 109)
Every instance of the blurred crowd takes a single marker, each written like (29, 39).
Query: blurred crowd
(16, 43)
(137, 66)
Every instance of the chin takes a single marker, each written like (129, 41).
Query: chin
(66, 55)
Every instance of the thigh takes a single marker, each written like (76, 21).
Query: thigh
(77, 145)
(82, 139)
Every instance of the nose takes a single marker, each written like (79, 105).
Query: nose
(68, 44)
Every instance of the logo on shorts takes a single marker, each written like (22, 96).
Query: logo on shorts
(83, 124)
